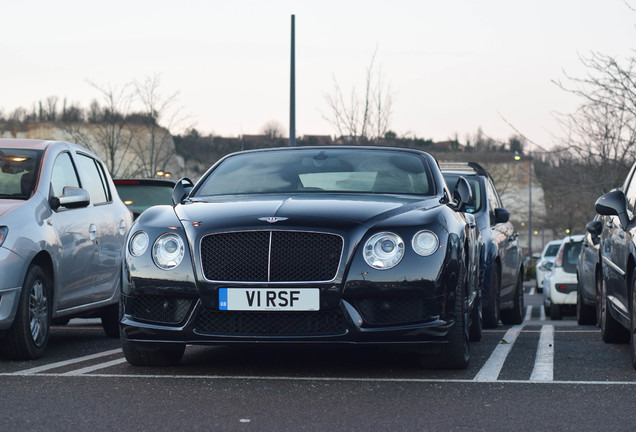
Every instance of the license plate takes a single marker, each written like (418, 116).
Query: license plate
(269, 299)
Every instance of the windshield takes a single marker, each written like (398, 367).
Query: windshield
(552, 250)
(474, 205)
(311, 170)
(18, 172)
(138, 197)
(571, 252)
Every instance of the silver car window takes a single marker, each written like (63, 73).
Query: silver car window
(93, 179)
(64, 174)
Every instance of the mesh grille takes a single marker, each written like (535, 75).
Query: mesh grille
(271, 323)
(295, 256)
(160, 309)
(393, 311)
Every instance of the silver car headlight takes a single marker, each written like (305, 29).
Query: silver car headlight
(3, 234)
(384, 250)
(168, 251)
(138, 243)
(425, 243)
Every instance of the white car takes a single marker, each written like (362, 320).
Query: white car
(546, 261)
(559, 286)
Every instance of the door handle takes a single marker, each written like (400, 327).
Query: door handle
(92, 231)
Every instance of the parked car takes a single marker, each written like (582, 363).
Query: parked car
(617, 299)
(588, 271)
(546, 261)
(559, 286)
(501, 258)
(306, 245)
(62, 232)
(140, 194)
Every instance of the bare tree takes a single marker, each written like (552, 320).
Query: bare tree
(109, 135)
(154, 146)
(273, 130)
(365, 117)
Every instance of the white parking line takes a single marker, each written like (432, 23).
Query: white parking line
(95, 367)
(490, 371)
(532, 291)
(50, 366)
(544, 361)
(541, 313)
(528, 313)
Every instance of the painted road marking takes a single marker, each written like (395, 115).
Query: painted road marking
(55, 365)
(544, 361)
(490, 371)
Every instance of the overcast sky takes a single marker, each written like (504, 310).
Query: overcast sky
(453, 66)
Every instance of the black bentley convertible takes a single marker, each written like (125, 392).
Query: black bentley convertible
(358, 245)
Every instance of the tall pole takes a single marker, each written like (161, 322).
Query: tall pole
(292, 92)
(530, 205)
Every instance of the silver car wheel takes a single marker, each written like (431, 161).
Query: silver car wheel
(38, 313)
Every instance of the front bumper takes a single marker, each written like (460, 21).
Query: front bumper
(343, 324)
(10, 286)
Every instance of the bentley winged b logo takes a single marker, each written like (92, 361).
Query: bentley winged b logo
(272, 219)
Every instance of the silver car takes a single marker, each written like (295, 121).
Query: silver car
(62, 229)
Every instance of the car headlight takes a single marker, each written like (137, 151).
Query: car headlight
(425, 243)
(138, 243)
(3, 234)
(168, 251)
(383, 250)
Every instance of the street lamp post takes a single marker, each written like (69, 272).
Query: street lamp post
(517, 157)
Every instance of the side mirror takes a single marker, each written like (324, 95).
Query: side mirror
(72, 197)
(181, 190)
(613, 204)
(547, 266)
(462, 193)
(595, 228)
(501, 215)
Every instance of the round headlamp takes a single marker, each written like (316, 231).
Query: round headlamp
(425, 243)
(168, 251)
(383, 250)
(138, 243)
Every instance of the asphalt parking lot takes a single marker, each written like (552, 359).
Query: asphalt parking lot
(542, 374)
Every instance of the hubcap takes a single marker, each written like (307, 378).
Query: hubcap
(38, 313)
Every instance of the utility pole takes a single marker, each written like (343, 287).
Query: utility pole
(292, 92)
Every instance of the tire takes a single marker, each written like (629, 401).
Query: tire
(159, 355)
(515, 315)
(490, 310)
(455, 354)
(110, 321)
(27, 338)
(555, 312)
(611, 330)
(585, 315)
(632, 322)
(476, 324)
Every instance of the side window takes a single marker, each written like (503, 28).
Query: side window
(95, 179)
(630, 194)
(64, 174)
(493, 201)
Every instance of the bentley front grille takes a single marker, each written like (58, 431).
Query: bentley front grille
(271, 256)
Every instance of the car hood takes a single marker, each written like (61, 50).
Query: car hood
(327, 211)
(8, 205)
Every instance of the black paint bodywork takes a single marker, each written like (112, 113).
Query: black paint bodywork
(434, 279)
